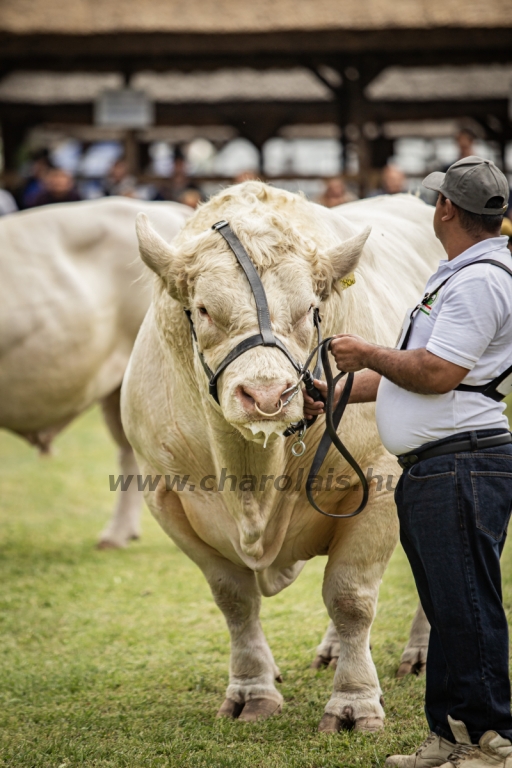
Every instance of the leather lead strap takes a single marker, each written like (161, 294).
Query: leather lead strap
(332, 420)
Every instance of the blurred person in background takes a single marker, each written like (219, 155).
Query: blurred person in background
(119, 181)
(335, 193)
(191, 197)
(180, 184)
(466, 141)
(35, 183)
(393, 181)
(59, 187)
(245, 176)
(506, 229)
(7, 203)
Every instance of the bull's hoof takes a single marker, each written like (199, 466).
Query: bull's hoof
(369, 724)
(230, 708)
(279, 678)
(259, 709)
(406, 668)
(330, 724)
(319, 662)
(106, 544)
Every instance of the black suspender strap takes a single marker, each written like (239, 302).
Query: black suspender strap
(428, 296)
(499, 387)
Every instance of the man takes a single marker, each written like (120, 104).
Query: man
(336, 193)
(59, 188)
(393, 181)
(506, 229)
(454, 497)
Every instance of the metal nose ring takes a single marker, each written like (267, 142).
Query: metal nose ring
(269, 415)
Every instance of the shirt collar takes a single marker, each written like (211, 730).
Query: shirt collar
(473, 253)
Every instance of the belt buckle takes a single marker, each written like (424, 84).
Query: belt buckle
(407, 461)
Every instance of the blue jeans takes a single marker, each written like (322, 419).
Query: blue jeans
(454, 511)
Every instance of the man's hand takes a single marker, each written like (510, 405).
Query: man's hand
(364, 390)
(350, 352)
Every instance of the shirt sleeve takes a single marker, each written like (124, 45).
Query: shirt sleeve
(469, 318)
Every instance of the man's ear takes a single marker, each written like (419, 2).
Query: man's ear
(345, 256)
(155, 252)
(448, 210)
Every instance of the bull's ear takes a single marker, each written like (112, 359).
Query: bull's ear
(345, 256)
(154, 251)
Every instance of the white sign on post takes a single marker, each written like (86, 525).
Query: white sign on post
(124, 108)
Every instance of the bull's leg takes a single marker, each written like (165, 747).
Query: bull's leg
(253, 671)
(357, 561)
(251, 694)
(328, 651)
(124, 524)
(414, 657)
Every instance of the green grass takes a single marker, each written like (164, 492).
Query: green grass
(119, 658)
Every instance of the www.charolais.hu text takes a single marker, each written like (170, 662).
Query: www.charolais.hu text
(229, 482)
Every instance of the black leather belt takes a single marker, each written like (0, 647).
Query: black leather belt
(407, 460)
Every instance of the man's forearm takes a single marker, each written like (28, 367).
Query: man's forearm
(364, 389)
(415, 370)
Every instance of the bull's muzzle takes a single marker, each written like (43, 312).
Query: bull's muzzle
(264, 400)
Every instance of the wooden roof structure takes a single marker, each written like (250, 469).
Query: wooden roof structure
(167, 34)
(224, 16)
(346, 44)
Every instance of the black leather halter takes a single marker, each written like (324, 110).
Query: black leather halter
(266, 338)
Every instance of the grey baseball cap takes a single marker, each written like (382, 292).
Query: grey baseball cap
(470, 183)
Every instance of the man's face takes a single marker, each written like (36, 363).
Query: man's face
(59, 182)
(393, 180)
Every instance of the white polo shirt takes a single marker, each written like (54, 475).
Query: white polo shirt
(469, 323)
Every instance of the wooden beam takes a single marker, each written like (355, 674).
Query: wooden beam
(269, 116)
(184, 52)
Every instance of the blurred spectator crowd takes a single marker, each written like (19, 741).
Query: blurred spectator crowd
(46, 182)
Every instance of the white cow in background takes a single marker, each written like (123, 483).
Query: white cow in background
(252, 538)
(71, 303)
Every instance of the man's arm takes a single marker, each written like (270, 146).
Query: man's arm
(415, 370)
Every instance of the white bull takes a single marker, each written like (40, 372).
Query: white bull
(71, 304)
(248, 535)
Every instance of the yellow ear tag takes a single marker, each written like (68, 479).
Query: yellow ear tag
(347, 281)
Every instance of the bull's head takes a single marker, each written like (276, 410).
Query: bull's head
(298, 272)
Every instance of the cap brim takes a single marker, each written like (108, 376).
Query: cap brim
(434, 181)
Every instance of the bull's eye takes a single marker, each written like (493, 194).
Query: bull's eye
(203, 311)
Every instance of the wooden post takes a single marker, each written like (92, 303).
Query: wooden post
(131, 152)
(353, 109)
(13, 136)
